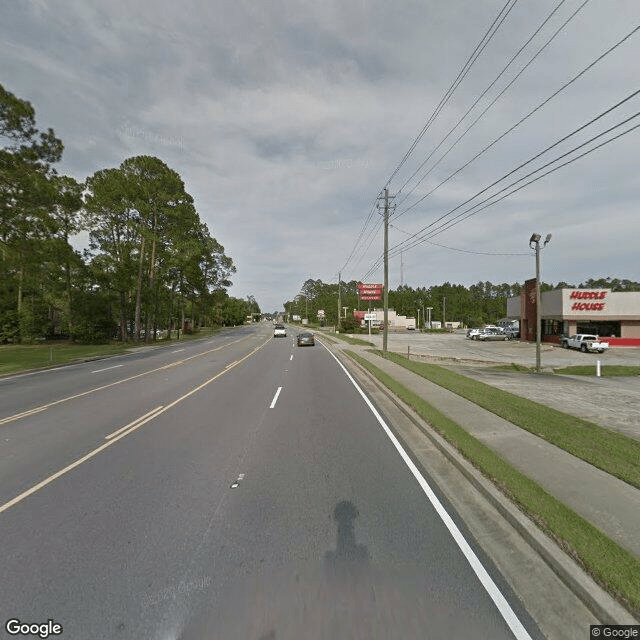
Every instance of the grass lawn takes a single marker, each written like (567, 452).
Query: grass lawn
(609, 370)
(22, 357)
(611, 566)
(608, 450)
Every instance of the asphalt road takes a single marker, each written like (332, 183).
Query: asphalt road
(240, 488)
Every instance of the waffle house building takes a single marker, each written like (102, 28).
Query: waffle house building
(614, 316)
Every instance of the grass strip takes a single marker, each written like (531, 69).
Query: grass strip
(23, 357)
(355, 341)
(614, 568)
(609, 370)
(608, 450)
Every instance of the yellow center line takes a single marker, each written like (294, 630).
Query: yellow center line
(29, 412)
(135, 425)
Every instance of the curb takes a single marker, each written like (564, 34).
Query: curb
(595, 598)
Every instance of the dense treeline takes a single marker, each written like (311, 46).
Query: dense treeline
(476, 305)
(151, 262)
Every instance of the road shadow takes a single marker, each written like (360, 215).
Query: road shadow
(347, 552)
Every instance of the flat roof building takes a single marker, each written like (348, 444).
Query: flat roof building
(612, 315)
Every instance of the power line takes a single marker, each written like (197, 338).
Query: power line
(504, 90)
(517, 124)
(444, 246)
(364, 226)
(486, 38)
(457, 219)
(406, 245)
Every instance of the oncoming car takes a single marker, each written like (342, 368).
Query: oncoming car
(279, 331)
(306, 338)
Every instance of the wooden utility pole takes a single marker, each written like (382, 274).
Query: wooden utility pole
(385, 293)
(339, 303)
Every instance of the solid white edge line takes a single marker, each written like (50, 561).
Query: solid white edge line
(115, 366)
(517, 628)
(275, 398)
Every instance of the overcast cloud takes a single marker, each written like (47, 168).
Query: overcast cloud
(285, 119)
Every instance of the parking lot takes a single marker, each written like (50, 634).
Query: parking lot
(456, 347)
(611, 402)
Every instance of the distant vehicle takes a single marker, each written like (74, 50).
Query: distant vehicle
(513, 333)
(492, 334)
(585, 342)
(306, 338)
(279, 331)
(472, 334)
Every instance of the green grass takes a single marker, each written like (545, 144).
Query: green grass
(21, 357)
(609, 370)
(613, 567)
(327, 338)
(355, 341)
(608, 450)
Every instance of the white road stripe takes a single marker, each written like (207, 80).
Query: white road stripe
(141, 421)
(291, 358)
(115, 366)
(487, 582)
(177, 351)
(29, 412)
(275, 398)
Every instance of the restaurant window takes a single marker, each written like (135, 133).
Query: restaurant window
(552, 327)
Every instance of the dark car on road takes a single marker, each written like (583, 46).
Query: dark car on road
(306, 338)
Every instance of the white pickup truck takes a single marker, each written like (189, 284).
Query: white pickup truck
(585, 342)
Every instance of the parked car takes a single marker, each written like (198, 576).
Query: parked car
(585, 342)
(306, 338)
(472, 334)
(279, 331)
(492, 334)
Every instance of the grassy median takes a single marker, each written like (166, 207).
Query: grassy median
(608, 450)
(617, 570)
(609, 370)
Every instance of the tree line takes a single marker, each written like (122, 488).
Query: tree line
(476, 305)
(151, 262)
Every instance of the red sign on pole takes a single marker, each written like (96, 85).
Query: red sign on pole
(370, 291)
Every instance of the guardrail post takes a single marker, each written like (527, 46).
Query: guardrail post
(597, 368)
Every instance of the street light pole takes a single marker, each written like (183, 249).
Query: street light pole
(535, 239)
(429, 321)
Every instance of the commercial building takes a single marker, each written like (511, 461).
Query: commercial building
(612, 315)
(396, 322)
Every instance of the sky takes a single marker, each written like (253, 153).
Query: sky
(287, 119)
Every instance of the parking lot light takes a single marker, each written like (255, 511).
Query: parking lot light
(535, 239)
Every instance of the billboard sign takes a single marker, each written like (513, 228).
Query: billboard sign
(370, 291)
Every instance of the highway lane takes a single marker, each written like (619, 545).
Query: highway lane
(38, 445)
(28, 391)
(244, 512)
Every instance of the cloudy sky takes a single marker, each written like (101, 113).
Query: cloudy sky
(286, 119)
